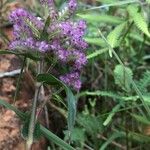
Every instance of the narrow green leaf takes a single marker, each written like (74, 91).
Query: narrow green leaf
(141, 119)
(109, 94)
(45, 132)
(52, 137)
(101, 18)
(8, 52)
(96, 53)
(71, 109)
(110, 139)
(25, 128)
(50, 79)
(95, 41)
(136, 136)
(9, 106)
(44, 35)
(27, 55)
(112, 113)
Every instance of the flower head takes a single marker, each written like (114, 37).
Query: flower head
(72, 79)
(62, 39)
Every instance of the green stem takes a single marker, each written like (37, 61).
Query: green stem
(33, 114)
(19, 79)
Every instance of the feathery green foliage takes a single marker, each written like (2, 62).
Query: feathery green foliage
(123, 77)
(138, 19)
(113, 36)
(144, 82)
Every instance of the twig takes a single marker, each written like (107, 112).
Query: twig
(58, 109)
(10, 73)
(42, 107)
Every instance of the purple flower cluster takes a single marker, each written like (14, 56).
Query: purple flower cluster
(64, 40)
(23, 21)
(52, 10)
(72, 79)
(29, 44)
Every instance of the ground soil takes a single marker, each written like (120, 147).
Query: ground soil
(10, 125)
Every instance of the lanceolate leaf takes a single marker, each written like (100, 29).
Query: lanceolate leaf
(45, 132)
(52, 137)
(112, 113)
(27, 55)
(101, 18)
(141, 119)
(71, 108)
(21, 115)
(50, 79)
(110, 139)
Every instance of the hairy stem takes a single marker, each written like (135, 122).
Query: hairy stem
(33, 114)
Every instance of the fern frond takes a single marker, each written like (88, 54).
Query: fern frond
(138, 19)
(113, 37)
(123, 77)
(96, 18)
(97, 53)
(110, 94)
(115, 96)
(144, 82)
(148, 1)
(95, 41)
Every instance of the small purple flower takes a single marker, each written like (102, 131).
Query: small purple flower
(55, 45)
(62, 54)
(22, 31)
(72, 79)
(52, 10)
(42, 46)
(23, 17)
(66, 28)
(17, 15)
(14, 44)
(80, 60)
(72, 5)
(82, 25)
(29, 43)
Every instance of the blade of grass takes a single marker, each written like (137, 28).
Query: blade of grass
(125, 2)
(45, 132)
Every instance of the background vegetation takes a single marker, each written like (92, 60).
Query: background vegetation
(113, 106)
